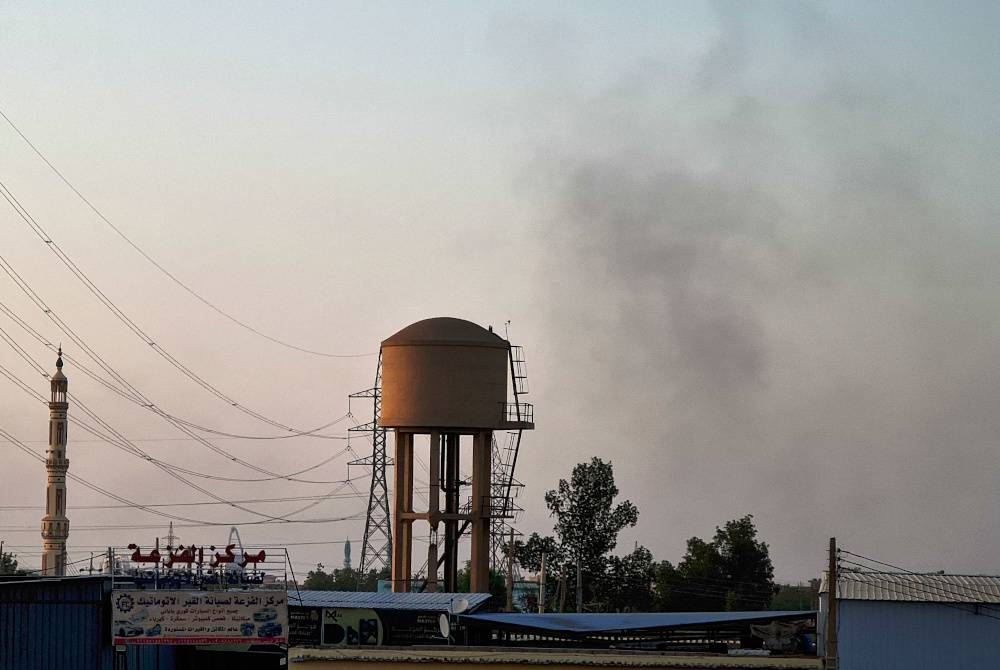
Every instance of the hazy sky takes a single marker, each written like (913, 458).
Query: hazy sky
(750, 250)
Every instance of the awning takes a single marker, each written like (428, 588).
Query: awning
(582, 625)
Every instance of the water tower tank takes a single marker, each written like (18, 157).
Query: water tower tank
(444, 373)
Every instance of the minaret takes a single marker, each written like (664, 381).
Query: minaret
(347, 555)
(55, 525)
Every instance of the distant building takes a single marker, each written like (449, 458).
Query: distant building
(347, 555)
(892, 620)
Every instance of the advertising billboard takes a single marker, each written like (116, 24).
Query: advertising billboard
(199, 617)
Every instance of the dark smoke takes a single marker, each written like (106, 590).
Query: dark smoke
(778, 305)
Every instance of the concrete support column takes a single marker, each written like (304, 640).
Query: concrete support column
(479, 578)
(434, 495)
(451, 497)
(433, 509)
(402, 532)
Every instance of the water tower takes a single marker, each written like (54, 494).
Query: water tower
(446, 379)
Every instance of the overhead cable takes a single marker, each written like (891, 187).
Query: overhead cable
(138, 399)
(104, 365)
(120, 441)
(116, 311)
(160, 267)
(200, 522)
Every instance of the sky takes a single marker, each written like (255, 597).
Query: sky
(750, 250)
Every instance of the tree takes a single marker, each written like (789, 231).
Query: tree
(746, 563)
(529, 554)
(732, 572)
(790, 597)
(498, 583)
(369, 581)
(665, 578)
(588, 521)
(8, 564)
(318, 580)
(626, 585)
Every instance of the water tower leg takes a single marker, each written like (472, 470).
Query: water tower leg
(479, 578)
(451, 497)
(402, 532)
(433, 508)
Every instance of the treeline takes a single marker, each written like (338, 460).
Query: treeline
(343, 579)
(731, 572)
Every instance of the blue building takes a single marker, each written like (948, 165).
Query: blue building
(931, 621)
(66, 622)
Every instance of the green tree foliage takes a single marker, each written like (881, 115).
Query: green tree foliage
(8, 564)
(733, 572)
(341, 579)
(792, 597)
(587, 523)
(666, 580)
(318, 580)
(498, 584)
(746, 563)
(626, 583)
(528, 555)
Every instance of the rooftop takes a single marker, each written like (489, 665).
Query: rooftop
(428, 602)
(587, 624)
(445, 330)
(910, 587)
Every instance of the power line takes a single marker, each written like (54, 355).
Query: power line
(939, 598)
(937, 592)
(182, 428)
(119, 441)
(920, 574)
(94, 487)
(31, 452)
(113, 308)
(162, 269)
(103, 527)
(284, 499)
(137, 398)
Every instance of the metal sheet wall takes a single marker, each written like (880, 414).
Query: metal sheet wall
(63, 623)
(882, 635)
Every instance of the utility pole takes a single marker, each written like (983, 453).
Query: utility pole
(579, 586)
(830, 660)
(562, 589)
(541, 588)
(510, 573)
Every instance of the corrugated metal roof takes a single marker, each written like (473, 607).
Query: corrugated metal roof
(433, 602)
(64, 622)
(589, 624)
(908, 587)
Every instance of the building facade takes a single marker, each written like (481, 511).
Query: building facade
(914, 621)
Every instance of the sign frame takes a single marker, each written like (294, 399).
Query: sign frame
(167, 617)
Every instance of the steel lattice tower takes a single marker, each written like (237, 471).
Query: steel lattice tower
(503, 486)
(376, 548)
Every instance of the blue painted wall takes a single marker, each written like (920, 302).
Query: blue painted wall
(65, 623)
(881, 635)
